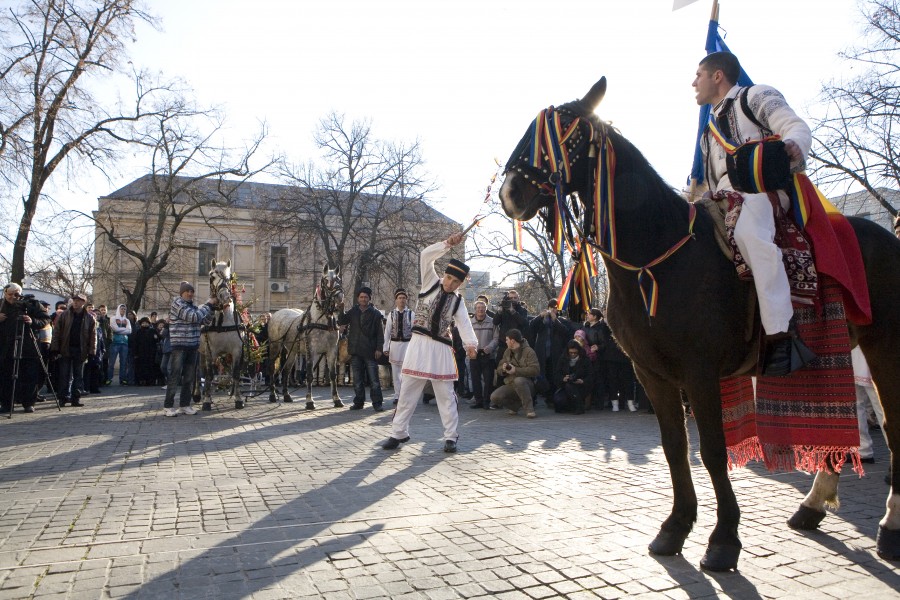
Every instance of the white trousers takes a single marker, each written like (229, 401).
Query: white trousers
(865, 396)
(397, 378)
(754, 234)
(409, 399)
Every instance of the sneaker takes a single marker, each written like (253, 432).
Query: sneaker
(188, 410)
(108, 382)
(165, 387)
(512, 412)
(450, 446)
(171, 412)
(531, 415)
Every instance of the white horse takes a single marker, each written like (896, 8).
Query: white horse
(312, 333)
(221, 336)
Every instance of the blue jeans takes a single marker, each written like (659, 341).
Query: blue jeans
(182, 371)
(121, 351)
(360, 367)
(71, 370)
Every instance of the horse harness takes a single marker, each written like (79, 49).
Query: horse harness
(550, 149)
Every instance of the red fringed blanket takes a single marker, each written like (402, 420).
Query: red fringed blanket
(807, 420)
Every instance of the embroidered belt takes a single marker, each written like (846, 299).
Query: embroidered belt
(437, 338)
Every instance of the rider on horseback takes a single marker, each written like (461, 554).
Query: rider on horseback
(744, 114)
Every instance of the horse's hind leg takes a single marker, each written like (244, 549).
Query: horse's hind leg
(666, 402)
(724, 545)
(310, 405)
(236, 385)
(812, 510)
(207, 368)
(883, 360)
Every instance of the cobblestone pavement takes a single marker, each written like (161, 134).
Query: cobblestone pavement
(114, 501)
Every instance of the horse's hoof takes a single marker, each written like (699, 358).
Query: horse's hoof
(273, 399)
(887, 543)
(338, 403)
(288, 399)
(720, 557)
(239, 404)
(207, 406)
(806, 518)
(668, 543)
(310, 406)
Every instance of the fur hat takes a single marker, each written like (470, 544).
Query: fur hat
(79, 296)
(365, 290)
(457, 268)
(399, 291)
(185, 287)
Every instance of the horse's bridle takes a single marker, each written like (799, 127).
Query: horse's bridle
(328, 296)
(219, 288)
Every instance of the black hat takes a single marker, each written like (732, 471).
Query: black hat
(365, 290)
(399, 291)
(457, 268)
(79, 296)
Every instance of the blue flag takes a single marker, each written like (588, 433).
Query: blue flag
(714, 43)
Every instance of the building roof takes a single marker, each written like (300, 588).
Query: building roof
(250, 195)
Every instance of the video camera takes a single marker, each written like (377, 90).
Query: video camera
(508, 303)
(29, 305)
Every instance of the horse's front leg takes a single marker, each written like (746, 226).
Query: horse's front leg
(333, 374)
(310, 405)
(207, 369)
(724, 546)
(666, 401)
(236, 383)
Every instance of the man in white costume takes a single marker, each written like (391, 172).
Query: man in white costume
(397, 334)
(745, 114)
(429, 356)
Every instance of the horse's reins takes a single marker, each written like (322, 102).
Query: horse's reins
(548, 147)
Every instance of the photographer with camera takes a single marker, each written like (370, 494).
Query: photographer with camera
(74, 341)
(20, 319)
(517, 368)
(512, 315)
(481, 367)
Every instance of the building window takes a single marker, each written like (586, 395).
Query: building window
(278, 262)
(207, 253)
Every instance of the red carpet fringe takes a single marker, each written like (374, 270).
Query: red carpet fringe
(807, 420)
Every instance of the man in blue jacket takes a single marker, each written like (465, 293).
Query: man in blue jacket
(185, 320)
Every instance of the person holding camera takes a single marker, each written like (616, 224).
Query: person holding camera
(512, 315)
(74, 341)
(16, 312)
(549, 333)
(480, 367)
(517, 368)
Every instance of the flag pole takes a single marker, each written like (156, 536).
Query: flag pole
(714, 14)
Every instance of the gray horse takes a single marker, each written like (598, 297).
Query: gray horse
(221, 336)
(312, 333)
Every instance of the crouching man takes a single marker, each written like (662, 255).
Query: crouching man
(429, 356)
(517, 367)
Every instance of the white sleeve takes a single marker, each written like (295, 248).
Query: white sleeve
(464, 325)
(426, 263)
(388, 328)
(773, 110)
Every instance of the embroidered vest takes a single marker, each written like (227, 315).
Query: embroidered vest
(401, 325)
(434, 313)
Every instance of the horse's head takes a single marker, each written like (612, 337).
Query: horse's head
(330, 292)
(554, 149)
(220, 281)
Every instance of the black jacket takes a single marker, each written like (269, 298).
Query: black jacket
(366, 332)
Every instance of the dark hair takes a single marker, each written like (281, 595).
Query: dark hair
(596, 312)
(576, 345)
(515, 335)
(723, 61)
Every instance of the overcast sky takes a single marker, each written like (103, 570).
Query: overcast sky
(465, 78)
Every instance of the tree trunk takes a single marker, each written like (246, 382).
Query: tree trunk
(17, 270)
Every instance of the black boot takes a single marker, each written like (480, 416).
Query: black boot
(785, 353)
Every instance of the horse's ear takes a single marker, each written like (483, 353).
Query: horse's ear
(595, 95)
(228, 263)
(212, 263)
(325, 269)
(337, 271)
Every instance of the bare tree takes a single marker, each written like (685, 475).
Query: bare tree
(536, 272)
(857, 141)
(363, 202)
(187, 178)
(48, 115)
(66, 264)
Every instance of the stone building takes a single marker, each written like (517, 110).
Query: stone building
(863, 204)
(275, 272)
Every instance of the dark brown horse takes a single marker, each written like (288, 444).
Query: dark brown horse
(698, 333)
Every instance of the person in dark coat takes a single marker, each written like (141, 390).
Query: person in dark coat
(548, 335)
(573, 370)
(617, 372)
(144, 345)
(27, 312)
(512, 315)
(365, 340)
(597, 338)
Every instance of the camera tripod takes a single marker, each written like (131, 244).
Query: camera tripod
(17, 359)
